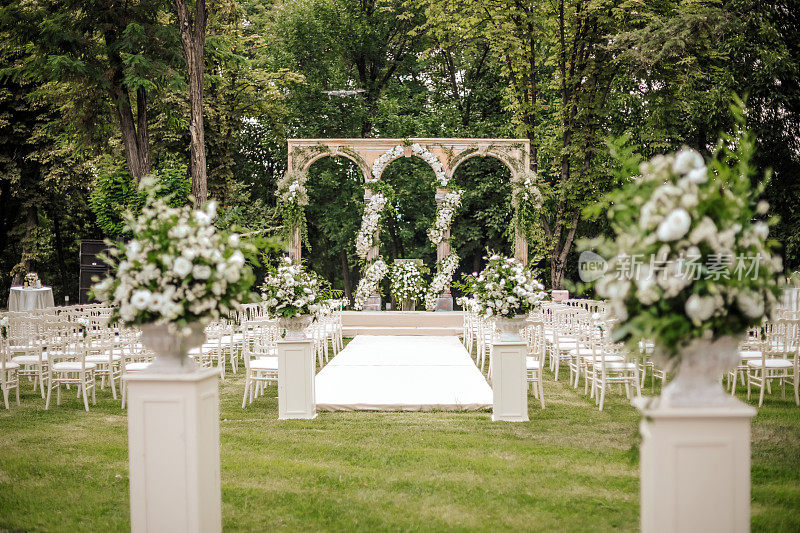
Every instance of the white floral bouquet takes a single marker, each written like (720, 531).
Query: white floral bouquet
(292, 198)
(407, 282)
(506, 289)
(370, 283)
(691, 257)
(290, 290)
(177, 268)
(444, 215)
(32, 279)
(430, 158)
(4, 327)
(445, 269)
(369, 224)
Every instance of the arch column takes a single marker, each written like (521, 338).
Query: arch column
(520, 240)
(295, 246)
(373, 303)
(445, 300)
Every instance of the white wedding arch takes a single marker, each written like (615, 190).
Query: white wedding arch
(444, 155)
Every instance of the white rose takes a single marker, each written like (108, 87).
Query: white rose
(156, 302)
(700, 308)
(182, 267)
(687, 160)
(234, 239)
(674, 226)
(141, 299)
(201, 271)
(751, 304)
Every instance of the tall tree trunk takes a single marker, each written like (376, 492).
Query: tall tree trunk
(193, 39)
(28, 243)
(134, 130)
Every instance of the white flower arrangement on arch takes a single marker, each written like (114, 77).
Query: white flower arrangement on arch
(398, 151)
(505, 288)
(365, 238)
(387, 157)
(444, 215)
(430, 158)
(690, 219)
(370, 283)
(177, 269)
(290, 291)
(445, 270)
(407, 282)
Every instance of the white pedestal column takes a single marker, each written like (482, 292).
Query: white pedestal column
(695, 468)
(296, 371)
(173, 449)
(509, 382)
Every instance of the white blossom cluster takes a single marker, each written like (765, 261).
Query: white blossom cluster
(32, 278)
(505, 288)
(290, 291)
(529, 192)
(444, 216)
(4, 327)
(368, 285)
(292, 188)
(176, 269)
(430, 158)
(685, 218)
(369, 225)
(385, 159)
(406, 280)
(441, 280)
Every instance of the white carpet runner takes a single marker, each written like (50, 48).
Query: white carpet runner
(399, 373)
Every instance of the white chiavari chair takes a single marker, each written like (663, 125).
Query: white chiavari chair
(9, 372)
(259, 357)
(68, 366)
(535, 340)
(101, 351)
(608, 370)
(779, 359)
(25, 336)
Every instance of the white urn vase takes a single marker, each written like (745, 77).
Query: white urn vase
(296, 327)
(510, 328)
(408, 304)
(172, 347)
(698, 371)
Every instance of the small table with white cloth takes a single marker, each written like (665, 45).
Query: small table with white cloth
(30, 299)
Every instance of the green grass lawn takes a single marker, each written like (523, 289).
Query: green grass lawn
(571, 468)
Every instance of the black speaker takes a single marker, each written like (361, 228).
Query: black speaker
(90, 250)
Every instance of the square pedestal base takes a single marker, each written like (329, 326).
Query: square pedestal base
(173, 449)
(695, 468)
(509, 382)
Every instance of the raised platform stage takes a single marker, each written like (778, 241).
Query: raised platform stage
(438, 324)
(391, 373)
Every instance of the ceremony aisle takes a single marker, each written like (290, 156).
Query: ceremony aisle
(570, 468)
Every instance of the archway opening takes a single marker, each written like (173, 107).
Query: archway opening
(483, 222)
(336, 202)
(404, 228)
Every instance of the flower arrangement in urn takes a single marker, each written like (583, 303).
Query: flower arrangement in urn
(691, 266)
(174, 276)
(291, 293)
(506, 289)
(407, 283)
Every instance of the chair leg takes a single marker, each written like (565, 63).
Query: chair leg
(748, 385)
(733, 386)
(541, 388)
(85, 396)
(5, 396)
(602, 395)
(18, 390)
(764, 383)
(246, 387)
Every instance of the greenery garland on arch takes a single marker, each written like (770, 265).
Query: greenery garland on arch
(292, 199)
(528, 195)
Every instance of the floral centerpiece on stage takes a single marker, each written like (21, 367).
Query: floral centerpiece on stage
(407, 283)
(175, 275)
(32, 280)
(290, 292)
(691, 267)
(445, 270)
(444, 216)
(506, 289)
(370, 283)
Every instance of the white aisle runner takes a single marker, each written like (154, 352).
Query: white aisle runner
(402, 373)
